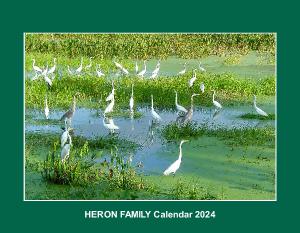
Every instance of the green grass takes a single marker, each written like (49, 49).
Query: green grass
(236, 136)
(258, 117)
(144, 46)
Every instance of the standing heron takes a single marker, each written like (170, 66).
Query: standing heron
(64, 136)
(99, 71)
(202, 87)
(182, 71)
(110, 125)
(193, 79)
(36, 68)
(175, 166)
(52, 69)
(67, 117)
(46, 108)
(257, 109)
(201, 68)
(156, 70)
(87, 67)
(65, 152)
(143, 72)
(118, 65)
(112, 94)
(79, 69)
(216, 103)
(110, 106)
(189, 115)
(131, 101)
(179, 107)
(153, 113)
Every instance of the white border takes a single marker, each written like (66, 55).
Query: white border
(276, 43)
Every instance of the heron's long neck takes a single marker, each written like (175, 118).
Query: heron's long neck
(180, 152)
(46, 103)
(132, 91)
(151, 102)
(176, 101)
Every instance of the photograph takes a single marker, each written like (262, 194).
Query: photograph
(181, 116)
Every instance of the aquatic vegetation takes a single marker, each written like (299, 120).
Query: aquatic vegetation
(235, 136)
(144, 46)
(259, 117)
(92, 91)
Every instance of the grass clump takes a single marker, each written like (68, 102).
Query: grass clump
(258, 117)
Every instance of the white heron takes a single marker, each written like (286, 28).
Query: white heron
(179, 107)
(175, 166)
(110, 125)
(46, 109)
(67, 117)
(125, 71)
(202, 87)
(110, 106)
(156, 70)
(87, 67)
(193, 79)
(216, 103)
(79, 69)
(45, 71)
(136, 67)
(69, 71)
(257, 109)
(201, 68)
(64, 136)
(48, 81)
(65, 152)
(99, 71)
(52, 69)
(131, 101)
(143, 72)
(153, 113)
(112, 94)
(36, 68)
(182, 71)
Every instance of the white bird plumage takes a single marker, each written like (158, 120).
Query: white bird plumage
(52, 69)
(202, 87)
(153, 112)
(110, 106)
(179, 107)
(112, 94)
(87, 67)
(136, 67)
(131, 101)
(64, 136)
(257, 109)
(216, 103)
(36, 68)
(110, 125)
(193, 79)
(201, 68)
(182, 71)
(65, 152)
(118, 65)
(156, 70)
(143, 72)
(99, 71)
(79, 69)
(69, 71)
(174, 166)
(46, 109)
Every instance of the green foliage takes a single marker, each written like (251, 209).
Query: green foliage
(243, 136)
(144, 46)
(257, 116)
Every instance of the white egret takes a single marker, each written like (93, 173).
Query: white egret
(69, 71)
(153, 113)
(110, 106)
(216, 103)
(179, 107)
(110, 125)
(174, 166)
(182, 71)
(193, 79)
(79, 69)
(36, 68)
(65, 152)
(201, 68)
(45, 71)
(131, 101)
(64, 136)
(46, 109)
(136, 67)
(99, 72)
(125, 71)
(155, 71)
(202, 87)
(112, 94)
(87, 67)
(52, 69)
(257, 109)
(67, 117)
(143, 72)
(48, 81)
